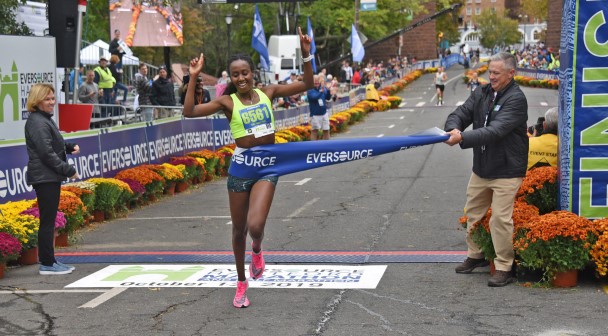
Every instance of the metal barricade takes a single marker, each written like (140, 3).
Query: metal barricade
(107, 115)
(155, 112)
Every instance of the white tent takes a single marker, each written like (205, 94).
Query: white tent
(91, 54)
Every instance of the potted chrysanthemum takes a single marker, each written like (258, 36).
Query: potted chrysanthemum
(539, 188)
(558, 244)
(10, 249)
(599, 251)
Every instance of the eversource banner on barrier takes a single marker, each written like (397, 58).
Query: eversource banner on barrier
(584, 108)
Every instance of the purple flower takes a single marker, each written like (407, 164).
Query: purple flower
(59, 219)
(135, 186)
(10, 247)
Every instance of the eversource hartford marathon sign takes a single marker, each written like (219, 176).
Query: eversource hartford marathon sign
(275, 276)
(24, 61)
(584, 108)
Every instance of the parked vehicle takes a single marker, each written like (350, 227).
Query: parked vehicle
(284, 53)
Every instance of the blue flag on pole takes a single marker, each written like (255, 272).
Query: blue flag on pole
(287, 158)
(258, 40)
(356, 47)
(313, 47)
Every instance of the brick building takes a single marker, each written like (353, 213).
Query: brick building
(415, 43)
(554, 24)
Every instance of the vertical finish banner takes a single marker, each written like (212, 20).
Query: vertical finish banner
(584, 108)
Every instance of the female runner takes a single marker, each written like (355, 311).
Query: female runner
(250, 199)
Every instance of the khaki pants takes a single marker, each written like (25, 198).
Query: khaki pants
(500, 195)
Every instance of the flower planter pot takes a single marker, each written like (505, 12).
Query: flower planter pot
(181, 187)
(29, 256)
(61, 240)
(492, 267)
(98, 216)
(565, 279)
(2, 267)
(169, 189)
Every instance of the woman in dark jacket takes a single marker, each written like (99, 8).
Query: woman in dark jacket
(47, 167)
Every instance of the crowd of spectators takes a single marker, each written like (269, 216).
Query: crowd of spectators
(538, 58)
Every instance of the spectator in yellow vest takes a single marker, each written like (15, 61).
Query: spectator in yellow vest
(543, 147)
(105, 81)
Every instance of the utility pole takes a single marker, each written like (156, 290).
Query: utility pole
(357, 6)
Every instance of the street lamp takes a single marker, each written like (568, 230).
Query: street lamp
(525, 17)
(228, 22)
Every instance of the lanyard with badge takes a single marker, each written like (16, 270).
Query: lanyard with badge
(492, 108)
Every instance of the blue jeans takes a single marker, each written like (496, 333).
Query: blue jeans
(106, 99)
(124, 88)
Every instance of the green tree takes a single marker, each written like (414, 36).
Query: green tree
(9, 24)
(536, 9)
(96, 22)
(496, 29)
(448, 24)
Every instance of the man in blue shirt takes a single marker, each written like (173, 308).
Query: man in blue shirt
(317, 100)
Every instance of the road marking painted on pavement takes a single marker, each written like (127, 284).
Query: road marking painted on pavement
(302, 208)
(401, 104)
(50, 291)
(402, 118)
(165, 218)
(379, 135)
(459, 103)
(304, 181)
(391, 126)
(121, 277)
(543, 104)
(104, 297)
(420, 104)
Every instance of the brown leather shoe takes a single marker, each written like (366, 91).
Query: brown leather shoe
(470, 264)
(501, 278)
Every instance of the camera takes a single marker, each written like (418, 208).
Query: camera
(538, 126)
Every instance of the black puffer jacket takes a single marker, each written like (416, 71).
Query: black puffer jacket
(162, 92)
(500, 148)
(46, 150)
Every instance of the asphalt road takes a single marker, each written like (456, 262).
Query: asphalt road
(405, 201)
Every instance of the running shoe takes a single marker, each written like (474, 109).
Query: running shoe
(65, 266)
(257, 265)
(240, 298)
(53, 270)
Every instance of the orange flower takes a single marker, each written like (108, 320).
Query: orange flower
(140, 174)
(555, 242)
